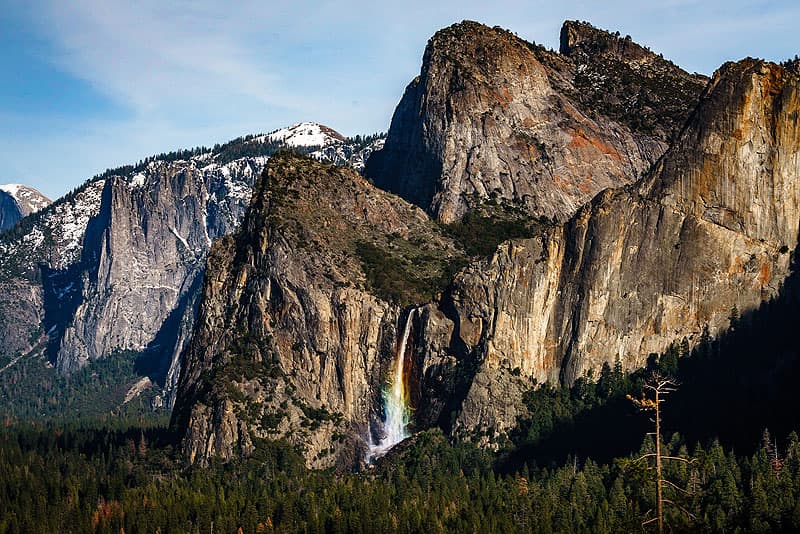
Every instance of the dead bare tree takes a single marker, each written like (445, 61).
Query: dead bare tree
(659, 386)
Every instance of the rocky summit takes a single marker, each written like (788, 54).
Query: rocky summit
(18, 201)
(492, 116)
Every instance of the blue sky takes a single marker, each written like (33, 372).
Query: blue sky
(93, 84)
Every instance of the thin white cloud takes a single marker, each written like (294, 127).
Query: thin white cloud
(151, 55)
(199, 72)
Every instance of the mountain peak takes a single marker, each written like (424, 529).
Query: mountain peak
(459, 29)
(306, 134)
(469, 37)
(17, 201)
(581, 37)
(28, 197)
(491, 116)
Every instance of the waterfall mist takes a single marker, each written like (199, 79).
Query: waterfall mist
(397, 413)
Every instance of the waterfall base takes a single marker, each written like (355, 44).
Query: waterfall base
(397, 413)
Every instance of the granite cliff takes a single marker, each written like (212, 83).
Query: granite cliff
(492, 116)
(118, 263)
(300, 314)
(302, 309)
(709, 229)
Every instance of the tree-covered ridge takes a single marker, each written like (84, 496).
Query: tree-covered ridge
(491, 223)
(32, 391)
(627, 82)
(105, 480)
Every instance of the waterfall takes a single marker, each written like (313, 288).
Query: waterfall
(395, 402)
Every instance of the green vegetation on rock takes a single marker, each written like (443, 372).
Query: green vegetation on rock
(481, 230)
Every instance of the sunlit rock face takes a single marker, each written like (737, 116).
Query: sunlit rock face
(712, 227)
(492, 116)
(290, 343)
(293, 341)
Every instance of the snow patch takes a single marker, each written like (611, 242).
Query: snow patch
(137, 180)
(180, 238)
(305, 134)
(69, 221)
(35, 238)
(11, 189)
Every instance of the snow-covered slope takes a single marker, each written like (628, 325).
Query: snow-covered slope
(17, 201)
(325, 144)
(117, 263)
(306, 134)
(352, 154)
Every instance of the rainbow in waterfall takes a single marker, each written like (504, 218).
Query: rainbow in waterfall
(397, 413)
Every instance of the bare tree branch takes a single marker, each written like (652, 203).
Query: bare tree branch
(650, 520)
(681, 508)
(675, 486)
(684, 460)
(660, 386)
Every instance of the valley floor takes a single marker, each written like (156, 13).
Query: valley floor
(107, 480)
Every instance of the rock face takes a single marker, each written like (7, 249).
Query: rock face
(118, 263)
(494, 117)
(639, 267)
(145, 254)
(18, 201)
(301, 309)
(20, 314)
(292, 341)
(32, 254)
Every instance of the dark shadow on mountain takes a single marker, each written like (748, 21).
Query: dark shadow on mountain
(405, 166)
(155, 360)
(62, 295)
(443, 389)
(731, 388)
(745, 380)
(63, 289)
(604, 433)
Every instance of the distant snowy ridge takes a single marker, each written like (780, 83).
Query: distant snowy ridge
(305, 134)
(325, 143)
(28, 199)
(316, 140)
(18, 201)
(63, 225)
